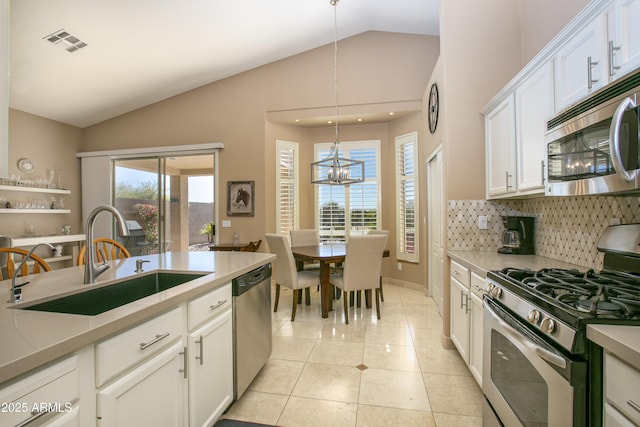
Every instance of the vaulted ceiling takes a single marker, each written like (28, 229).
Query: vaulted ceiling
(142, 51)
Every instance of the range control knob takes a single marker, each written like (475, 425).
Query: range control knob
(496, 292)
(548, 325)
(534, 316)
(490, 287)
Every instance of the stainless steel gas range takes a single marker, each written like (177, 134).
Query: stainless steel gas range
(539, 369)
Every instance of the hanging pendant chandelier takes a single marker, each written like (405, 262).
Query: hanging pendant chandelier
(334, 169)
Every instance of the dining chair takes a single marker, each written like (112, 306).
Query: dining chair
(251, 247)
(286, 274)
(386, 241)
(109, 248)
(362, 267)
(306, 237)
(39, 264)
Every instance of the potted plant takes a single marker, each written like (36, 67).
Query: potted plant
(209, 229)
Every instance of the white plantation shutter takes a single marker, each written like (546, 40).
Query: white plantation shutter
(354, 209)
(286, 186)
(407, 201)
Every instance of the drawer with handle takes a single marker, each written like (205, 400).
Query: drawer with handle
(460, 273)
(117, 353)
(621, 387)
(209, 305)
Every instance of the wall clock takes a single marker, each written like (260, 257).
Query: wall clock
(25, 165)
(434, 107)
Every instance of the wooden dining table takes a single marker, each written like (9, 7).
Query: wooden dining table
(325, 255)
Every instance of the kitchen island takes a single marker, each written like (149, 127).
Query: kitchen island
(38, 341)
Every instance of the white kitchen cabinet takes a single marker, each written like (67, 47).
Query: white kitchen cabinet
(466, 313)
(153, 393)
(533, 106)
(624, 38)
(210, 370)
(49, 396)
(210, 356)
(622, 395)
(459, 308)
(500, 137)
(475, 327)
(581, 63)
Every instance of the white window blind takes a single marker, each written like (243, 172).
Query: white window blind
(407, 201)
(354, 209)
(286, 186)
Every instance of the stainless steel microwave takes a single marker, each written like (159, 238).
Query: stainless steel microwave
(593, 146)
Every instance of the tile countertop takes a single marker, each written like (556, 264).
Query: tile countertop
(32, 338)
(482, 261)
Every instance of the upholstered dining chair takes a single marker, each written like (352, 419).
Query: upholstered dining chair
(306, 237)
(285, 273)
(386, 234)
(109, 248)
(39, 264)
(362, 266)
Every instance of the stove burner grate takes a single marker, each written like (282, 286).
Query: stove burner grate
(607, 294)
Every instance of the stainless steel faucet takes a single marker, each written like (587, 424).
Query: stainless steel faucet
(91, 271)
(16, 290)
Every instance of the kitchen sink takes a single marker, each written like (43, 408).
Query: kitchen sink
(96, 301)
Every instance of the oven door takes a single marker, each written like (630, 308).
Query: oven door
(526, 380)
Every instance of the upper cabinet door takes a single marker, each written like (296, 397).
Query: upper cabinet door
(534, 105)
(581, 64)
(624, 38)
(501, 150)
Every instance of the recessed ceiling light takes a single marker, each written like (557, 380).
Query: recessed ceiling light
(66, 40)
(297, 120)
(329, 121)
(359, 120)
(391, 113)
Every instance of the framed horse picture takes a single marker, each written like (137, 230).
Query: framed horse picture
(240, 198)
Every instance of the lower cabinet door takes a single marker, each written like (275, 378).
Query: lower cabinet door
(151, 394)
(210, 371)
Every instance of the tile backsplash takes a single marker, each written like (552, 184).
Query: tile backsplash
(567, 228)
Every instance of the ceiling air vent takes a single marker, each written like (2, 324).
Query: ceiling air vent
(63, 38)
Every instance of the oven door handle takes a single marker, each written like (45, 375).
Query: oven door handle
(543, 353)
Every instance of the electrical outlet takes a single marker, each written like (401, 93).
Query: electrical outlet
(226, 223)
(399, 266)
(482, 222)
(614, 221)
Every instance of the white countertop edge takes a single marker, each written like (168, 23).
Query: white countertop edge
(120, 318)
(482, 262)
(622, 341)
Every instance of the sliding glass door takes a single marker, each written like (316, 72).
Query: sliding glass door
(168, 202)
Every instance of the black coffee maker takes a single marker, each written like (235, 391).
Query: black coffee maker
(518, 237)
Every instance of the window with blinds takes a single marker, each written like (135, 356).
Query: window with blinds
(286, 186)
(355, 209)
(407, 197)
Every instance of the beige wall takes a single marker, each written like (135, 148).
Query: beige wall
(375, 69)
(541, 20)
(50, 145)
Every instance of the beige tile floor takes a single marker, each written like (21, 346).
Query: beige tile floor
(388, 372)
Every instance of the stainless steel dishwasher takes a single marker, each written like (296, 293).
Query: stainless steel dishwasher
(251, 326)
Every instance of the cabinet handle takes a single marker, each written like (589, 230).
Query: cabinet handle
(468, 306)
(634, 405)
(590, 79)
(41, 415)
(542, 172)
(145, 345)
(219, 304)
(185, 364)
(612, 51)
(507, 175)
(201, 342)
